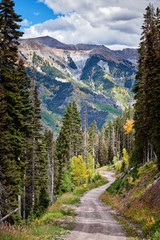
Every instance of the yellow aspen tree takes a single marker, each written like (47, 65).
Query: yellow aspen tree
(75, 170)
(128, 127)
(79, 170)
(83, 170)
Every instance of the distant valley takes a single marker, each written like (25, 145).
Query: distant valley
(97, 78)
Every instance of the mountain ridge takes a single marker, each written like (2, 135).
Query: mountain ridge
(97, 78)
(54, 43)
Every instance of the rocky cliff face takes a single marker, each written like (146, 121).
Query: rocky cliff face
(96, 77)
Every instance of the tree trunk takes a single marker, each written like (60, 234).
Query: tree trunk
(24, 200)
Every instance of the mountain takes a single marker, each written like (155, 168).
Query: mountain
(97, 78)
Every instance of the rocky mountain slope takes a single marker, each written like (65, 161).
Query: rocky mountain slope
(96, 77)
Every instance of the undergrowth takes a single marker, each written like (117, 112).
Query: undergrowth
(136, 197)
(55, 223)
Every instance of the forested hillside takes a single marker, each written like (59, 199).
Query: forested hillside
(36, 167)
(94, 76)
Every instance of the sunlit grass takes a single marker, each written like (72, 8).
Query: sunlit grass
(138, 200)
(49, 226)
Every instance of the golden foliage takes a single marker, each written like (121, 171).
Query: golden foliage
(128, 127)
(118, 165)
(79, 170)
(125, 157)
(82, 173)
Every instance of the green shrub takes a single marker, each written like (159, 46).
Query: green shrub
(43, 199)
(66, 184)
(97, 177)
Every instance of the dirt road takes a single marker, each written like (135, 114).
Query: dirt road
(94, 221)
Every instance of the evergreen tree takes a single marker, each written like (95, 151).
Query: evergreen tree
(24, 85)
(3, 149)
(92, 139)
(147, 90)
(66, 184)
(77, 132)
(69, 141)
(102, 149)
(23, 165)
(154, 89)
(27, 129)
(36, 171)
(51, 157)
(84, 142)
(12, 142)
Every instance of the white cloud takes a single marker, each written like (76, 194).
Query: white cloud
(75, 29)
(113, 23)
(83, 6)
(36, 13)
(25, 23)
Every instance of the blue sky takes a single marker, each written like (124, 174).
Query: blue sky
(114, 23)
(33, 11)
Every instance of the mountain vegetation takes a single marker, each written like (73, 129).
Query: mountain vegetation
(135, 194)
(136, 198)
(23, 163)
(147, 90)
(92, 75)
(89, 86)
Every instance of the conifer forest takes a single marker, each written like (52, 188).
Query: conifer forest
(36, 167)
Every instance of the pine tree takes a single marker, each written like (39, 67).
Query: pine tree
(9, 32)
(27, 129)
(77, 132)
(84, 142)
(65, 139)
(12, 142)
(147, 90)
(154, 88)
(102, 149)
(51, 156)
(69, 141)
(36, 171)
(92, 139)
(23, 165)
(24, 85)
(3, 148)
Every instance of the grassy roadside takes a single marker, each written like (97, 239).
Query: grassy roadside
(136, 201)
(55, 223)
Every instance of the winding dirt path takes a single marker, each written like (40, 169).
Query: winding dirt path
(94, 220)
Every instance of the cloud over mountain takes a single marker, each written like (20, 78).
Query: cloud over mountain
(103, 22)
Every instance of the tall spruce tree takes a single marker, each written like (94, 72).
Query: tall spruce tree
(77, 132)
(147, 90)
(3, 149)
(154, 88)
(102, 149)
(12, 154)
(36, 171)
(50, 147)
(92, 139)
(85, 125)
(69, 141)
(23, 159)
(27, 128)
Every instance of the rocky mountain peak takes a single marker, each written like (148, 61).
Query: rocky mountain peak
(125, 54)
(93, 75)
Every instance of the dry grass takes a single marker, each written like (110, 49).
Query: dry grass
(55, 223)
(139, 201)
